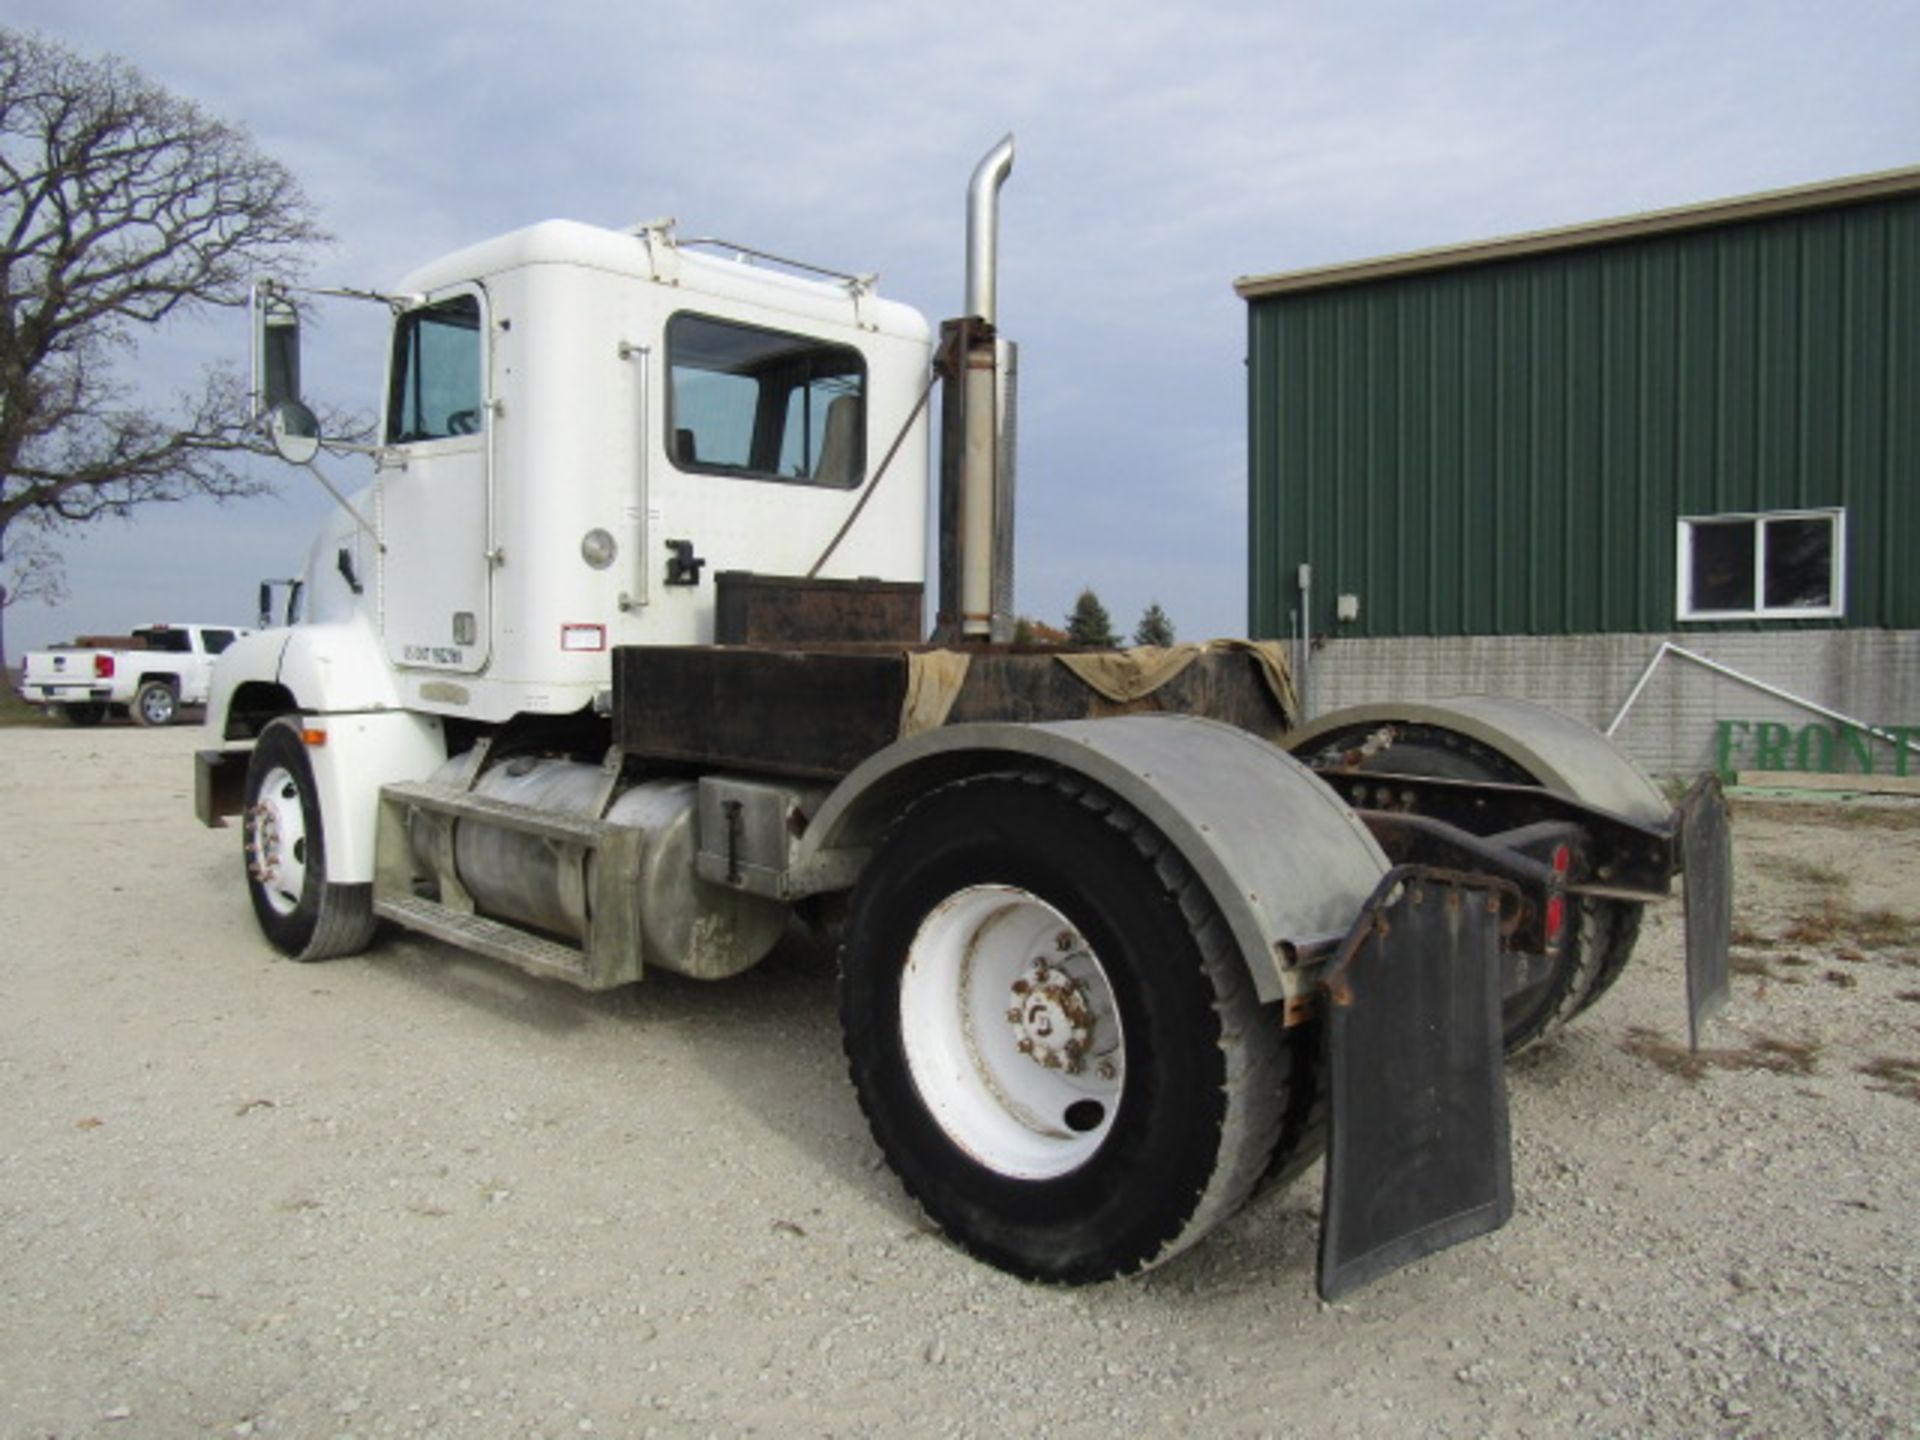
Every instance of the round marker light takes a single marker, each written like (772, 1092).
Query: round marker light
(597, 548)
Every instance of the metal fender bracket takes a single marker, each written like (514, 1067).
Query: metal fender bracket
(1705, 852)
(219, 785)
(1418, 1154)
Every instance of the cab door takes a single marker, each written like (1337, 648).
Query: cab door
(435, 499)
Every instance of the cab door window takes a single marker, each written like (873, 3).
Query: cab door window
(436, 373)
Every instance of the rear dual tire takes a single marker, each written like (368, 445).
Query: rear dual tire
(1052, 1033)
(1600, 941)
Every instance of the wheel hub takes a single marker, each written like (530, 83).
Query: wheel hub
(263, 843)
(1012, 1032)
(276, 842)
(1052, 1020)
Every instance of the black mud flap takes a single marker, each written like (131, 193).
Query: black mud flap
(1706, 858)
(1418, 1153)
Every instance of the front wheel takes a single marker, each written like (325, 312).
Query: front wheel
(299, 910)
(1052, 1033)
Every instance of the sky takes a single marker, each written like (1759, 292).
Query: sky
(1163, 151)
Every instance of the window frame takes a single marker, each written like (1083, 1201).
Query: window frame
(405, 326)
(858, 474)
(1836, 608)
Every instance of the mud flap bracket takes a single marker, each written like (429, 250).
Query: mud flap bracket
(1418, 1154)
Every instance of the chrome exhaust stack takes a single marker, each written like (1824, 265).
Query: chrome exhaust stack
(983, 230)
(977, 434)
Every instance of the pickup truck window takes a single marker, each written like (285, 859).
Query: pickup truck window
(763, 404)
(436, 373)
(214, 641)
(166, 640)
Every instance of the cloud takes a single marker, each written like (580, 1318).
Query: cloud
(1164, 151)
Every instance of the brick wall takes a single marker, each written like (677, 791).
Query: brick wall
(1871, 675)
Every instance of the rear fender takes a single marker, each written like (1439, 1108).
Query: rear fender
(1288, 864)
(1559, 752)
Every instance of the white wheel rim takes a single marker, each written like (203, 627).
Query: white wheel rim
(156, 706)
(276, 840)
(1011, 1032)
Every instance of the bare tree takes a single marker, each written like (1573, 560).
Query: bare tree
(121, 206)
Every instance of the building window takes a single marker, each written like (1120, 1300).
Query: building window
(765, 404)
(1789, 565)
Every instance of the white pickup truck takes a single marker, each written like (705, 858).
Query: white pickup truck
(149, 674)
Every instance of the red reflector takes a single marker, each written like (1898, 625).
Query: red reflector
(103, 667)
(314, 737)
(1562, 859)
(1556, 916)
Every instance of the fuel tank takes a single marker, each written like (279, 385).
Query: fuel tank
(688, 926)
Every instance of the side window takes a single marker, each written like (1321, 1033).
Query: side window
(436, 372)
(214, 641)
(166, 640)
(764, 404)
(1789, 565)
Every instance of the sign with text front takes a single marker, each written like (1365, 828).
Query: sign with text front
(1817, 748)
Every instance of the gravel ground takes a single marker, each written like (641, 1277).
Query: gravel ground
(420, 1194)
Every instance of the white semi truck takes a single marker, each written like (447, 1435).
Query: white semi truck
(618, 663)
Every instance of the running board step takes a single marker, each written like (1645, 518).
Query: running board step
(491, 938)
(603, 858)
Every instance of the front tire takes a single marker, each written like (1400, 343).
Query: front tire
(156, 704)
(1052, 1033)
(300, 911)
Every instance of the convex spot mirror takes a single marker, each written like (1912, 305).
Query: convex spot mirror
(295, 431)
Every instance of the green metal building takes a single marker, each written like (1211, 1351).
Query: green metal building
(1694, 425)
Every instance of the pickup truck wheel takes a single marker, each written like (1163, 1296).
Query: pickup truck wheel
(300, 911)
(156, 703)
(1052, 1033)
(84, 715)
(1600, 943)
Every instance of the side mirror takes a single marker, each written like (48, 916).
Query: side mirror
(276, 348)
(295, 432)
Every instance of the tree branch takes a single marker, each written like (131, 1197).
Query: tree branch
(121, 205)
